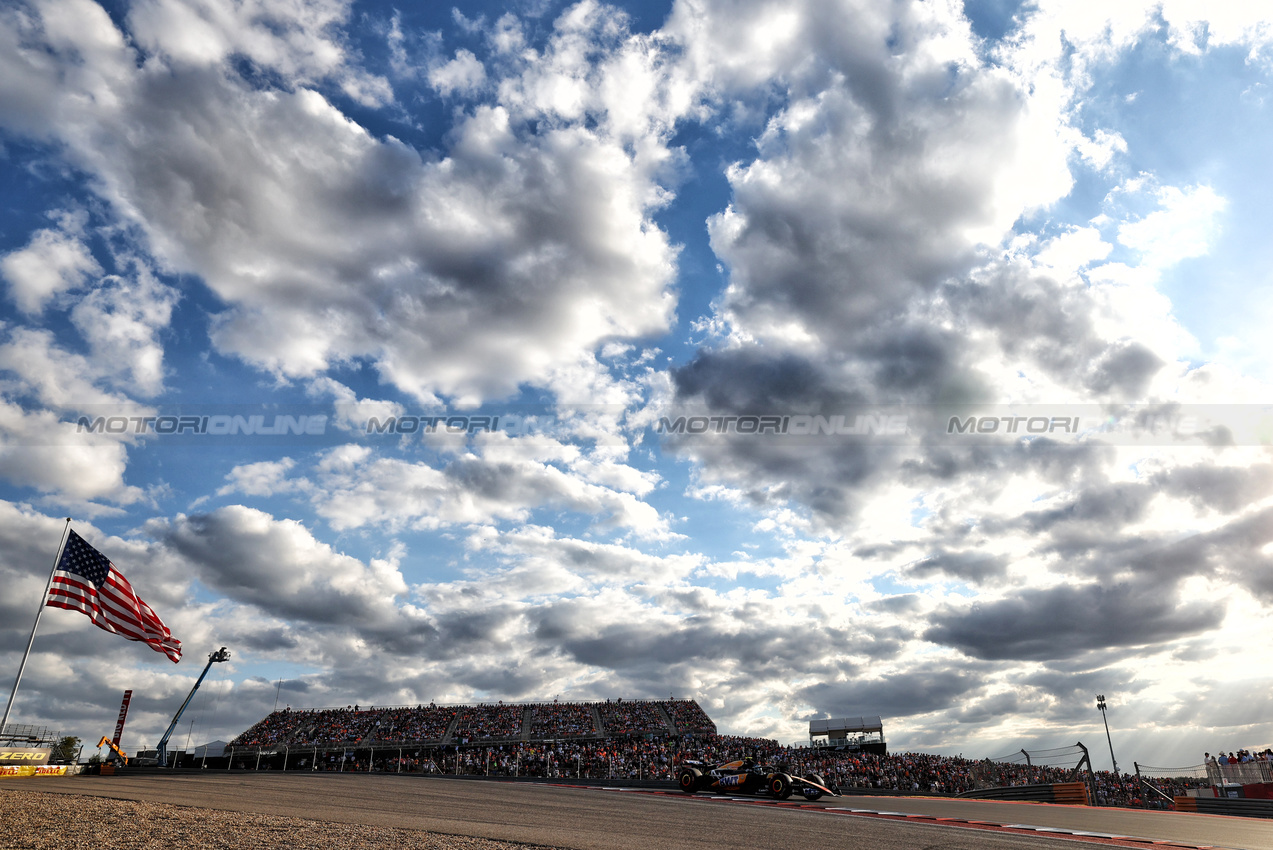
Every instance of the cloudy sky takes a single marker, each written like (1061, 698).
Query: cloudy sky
(811, 358)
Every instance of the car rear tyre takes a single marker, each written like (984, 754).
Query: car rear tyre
(689, 779)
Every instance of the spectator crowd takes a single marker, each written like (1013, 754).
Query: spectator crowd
(476, 723)
(658, 758)
(639, 739)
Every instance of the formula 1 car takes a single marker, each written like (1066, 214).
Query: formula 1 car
(746, 776)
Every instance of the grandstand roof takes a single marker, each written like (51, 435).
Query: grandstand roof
(839, 728)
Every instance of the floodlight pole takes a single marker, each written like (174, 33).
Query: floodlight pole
(1100, 703)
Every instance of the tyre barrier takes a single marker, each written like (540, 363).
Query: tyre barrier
(1226, 806)
(1067, 793)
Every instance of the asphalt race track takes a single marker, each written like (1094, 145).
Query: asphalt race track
(611, 819)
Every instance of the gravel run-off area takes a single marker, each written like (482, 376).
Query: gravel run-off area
(33, 820)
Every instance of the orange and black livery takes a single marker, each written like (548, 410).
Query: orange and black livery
(746, 776)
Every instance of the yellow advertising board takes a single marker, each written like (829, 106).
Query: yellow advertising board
(7, 770)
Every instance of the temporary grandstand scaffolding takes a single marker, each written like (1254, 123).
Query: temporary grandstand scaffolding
(1038, 768)
(1161, 785)
(38, 737)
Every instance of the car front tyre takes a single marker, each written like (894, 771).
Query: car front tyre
(811, 793)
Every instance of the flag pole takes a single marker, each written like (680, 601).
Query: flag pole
(45, 598)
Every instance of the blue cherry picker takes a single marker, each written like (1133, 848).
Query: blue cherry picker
(161, 751)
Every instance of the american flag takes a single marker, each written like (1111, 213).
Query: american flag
(85, 580)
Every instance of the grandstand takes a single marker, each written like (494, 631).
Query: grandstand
(475, 724)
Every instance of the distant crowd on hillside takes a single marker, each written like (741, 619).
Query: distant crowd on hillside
(641, 739)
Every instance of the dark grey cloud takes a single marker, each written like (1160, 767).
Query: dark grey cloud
(1065, 621)
(1096, 510)
(1072, 464)
(1225, 489)
(918, 690)
(754, 646)
(1233, 549)
(1037, 321)
(991, 709)
(277, 566)
(968, 566)
(752, 381)
(905, 603)
(1070, 690)
(749, 382)
(266, 640)
(1124, 369)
